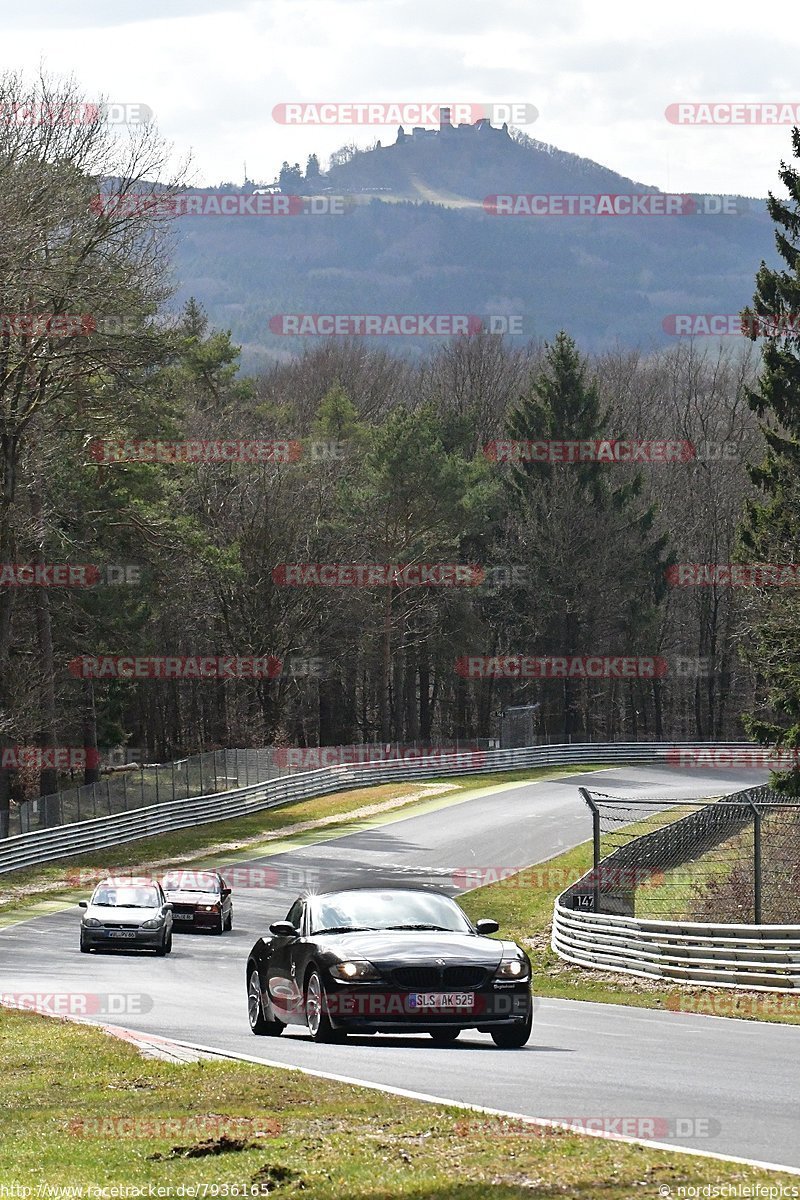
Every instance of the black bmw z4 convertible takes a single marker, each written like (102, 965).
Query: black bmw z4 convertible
(388, 960)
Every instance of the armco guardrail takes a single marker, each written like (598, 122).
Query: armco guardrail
(48, 845)
(747, 956)
(753, 956)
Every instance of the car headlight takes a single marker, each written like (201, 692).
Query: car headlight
(153, 923)
(209, 908)
(513, 968)
(91, 923)
(354, 970)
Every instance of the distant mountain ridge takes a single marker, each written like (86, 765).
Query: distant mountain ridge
(416, 239)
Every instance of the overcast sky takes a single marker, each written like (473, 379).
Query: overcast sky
(600, 74)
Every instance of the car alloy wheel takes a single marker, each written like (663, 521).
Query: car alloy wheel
(255, 1010)
(317, 1019)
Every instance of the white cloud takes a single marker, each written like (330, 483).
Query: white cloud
(600, 75)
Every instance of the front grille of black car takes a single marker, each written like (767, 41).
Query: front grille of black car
(437, 979)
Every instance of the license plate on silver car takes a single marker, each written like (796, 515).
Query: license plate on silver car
(126, 933)
(440, 1000)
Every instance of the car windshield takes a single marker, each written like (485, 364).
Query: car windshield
(126, 897)
(343, 912)
(190, 881)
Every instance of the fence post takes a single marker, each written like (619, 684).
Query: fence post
(157, 773)
(172, 765)
(756, 861)
(216, 784)
(200, 763)
(188, 785)
(124, 791)
(595, 811)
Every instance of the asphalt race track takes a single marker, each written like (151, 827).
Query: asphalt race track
(731, 1085)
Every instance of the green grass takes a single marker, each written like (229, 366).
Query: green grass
(523, 904)
(287, 1134)
(218, 841)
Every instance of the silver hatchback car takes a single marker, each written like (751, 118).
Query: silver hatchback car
(127, 914)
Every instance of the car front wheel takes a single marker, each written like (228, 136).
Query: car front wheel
(317, 1019)
(512, 1037)
(166, 945)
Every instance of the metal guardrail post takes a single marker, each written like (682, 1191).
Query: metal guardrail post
(595, 811)
(200, 767)
(756, 860)
(172, 764)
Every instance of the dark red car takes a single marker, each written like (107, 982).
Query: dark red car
(199, 899)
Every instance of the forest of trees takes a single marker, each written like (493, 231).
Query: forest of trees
(391, 468)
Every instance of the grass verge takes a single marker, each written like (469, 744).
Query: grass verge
(523, 904)
(80, 1108)
(39, 889)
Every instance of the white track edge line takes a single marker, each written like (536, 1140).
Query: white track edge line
(543, 1122)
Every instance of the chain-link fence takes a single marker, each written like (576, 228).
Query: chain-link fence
(140, 785)
(732, 859)
(136, 785)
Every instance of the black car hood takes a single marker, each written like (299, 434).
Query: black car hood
(413, 947)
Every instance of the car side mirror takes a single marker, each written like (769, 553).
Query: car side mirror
(226, 891)
(83, 904)
(283, 929)
(487, 925)
(168, 907)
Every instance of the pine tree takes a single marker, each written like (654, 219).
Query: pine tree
(770, 531)
(594, 563)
